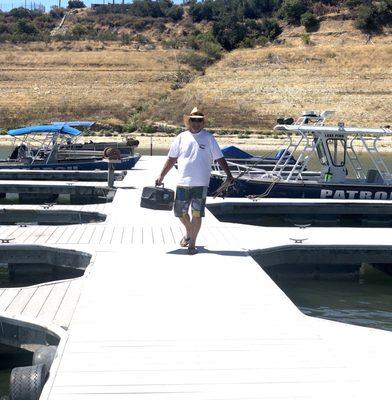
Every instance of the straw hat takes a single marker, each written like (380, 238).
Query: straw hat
(195, 113)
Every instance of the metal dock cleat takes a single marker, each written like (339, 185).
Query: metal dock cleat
(6, 240)
(295, 240)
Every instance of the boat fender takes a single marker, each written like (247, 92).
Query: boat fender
(45, 355)
(132, 142)
(111, 153)
(26, 383)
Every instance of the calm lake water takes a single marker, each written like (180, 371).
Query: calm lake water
(4, 383)
(367, 302)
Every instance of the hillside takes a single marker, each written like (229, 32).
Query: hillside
(153, 76)
(339, 70)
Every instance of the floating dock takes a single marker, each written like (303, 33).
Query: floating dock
(147, 321)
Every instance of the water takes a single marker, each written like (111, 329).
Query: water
(11, 357)
(4, 383)
(5, 151)
(367, 302)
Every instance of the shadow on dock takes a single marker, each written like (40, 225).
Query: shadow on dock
(202, 249)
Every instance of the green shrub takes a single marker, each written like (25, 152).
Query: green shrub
(202, 11)
(76, 4)
(291, 10)
(147, 8)
(195, 60)
(130, 126)
(57, 12)
(169, 130)
(353, 3)
(261, 41)
(229, 32)
(175, 13)
(248, 42)
(181, 78)
(79, 31)
(20, 13)
(147, 128)
(306, 39)
(384, 11)
(309, 21)
(366, 19)
(25, 28)
(126, 38)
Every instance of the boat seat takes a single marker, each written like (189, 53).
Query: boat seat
(374, 176)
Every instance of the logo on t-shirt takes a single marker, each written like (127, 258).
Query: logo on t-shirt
(202, 146)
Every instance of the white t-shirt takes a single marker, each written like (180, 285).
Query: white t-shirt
(195, 153)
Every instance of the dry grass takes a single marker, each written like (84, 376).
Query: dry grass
(250, 88)
(40, 86)
(246, 89)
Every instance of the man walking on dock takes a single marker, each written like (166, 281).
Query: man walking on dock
(194, 150)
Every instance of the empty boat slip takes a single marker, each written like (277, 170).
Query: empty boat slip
(151, 322)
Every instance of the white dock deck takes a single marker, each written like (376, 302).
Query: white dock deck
(153, 323)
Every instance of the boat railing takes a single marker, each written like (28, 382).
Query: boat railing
(370, 145)
(301, 161)
(246, 171)
(353, 159)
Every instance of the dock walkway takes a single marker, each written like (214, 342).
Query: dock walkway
(153, 323)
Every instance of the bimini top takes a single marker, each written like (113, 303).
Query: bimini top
(81, 124)
(64, 129)
(335, 130)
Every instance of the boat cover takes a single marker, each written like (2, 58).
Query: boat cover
(235, 152)
(67, 130)
(82, 124)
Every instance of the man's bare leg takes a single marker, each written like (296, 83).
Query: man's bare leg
(186, 221)
(194, 230)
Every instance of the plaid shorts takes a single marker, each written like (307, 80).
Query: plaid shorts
(194, 196)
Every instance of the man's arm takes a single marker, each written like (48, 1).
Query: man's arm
(223, 164)
(166, 168)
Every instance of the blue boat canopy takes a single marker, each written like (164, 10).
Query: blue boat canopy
(64, 129)
(235, 152)
(82, 124)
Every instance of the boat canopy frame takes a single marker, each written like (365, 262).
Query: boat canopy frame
(305, 136)
(42, 141)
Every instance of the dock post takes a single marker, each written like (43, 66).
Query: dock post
(112, 156)
(110, 174)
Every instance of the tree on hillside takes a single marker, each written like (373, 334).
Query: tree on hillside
(291, 10)
(366, 19)
(20, 12)
(229, 32)
(201, 11)
(76, 4)
(309, 21)
(25, 26)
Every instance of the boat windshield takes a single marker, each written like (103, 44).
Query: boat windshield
(337, 150)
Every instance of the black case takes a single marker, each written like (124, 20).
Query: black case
(157, 198)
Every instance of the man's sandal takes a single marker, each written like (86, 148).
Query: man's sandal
(185, 241)
(192, 251)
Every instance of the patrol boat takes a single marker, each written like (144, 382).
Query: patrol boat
(341, 175)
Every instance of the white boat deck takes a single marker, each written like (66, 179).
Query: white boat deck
(153, 323)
